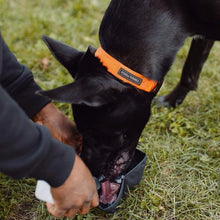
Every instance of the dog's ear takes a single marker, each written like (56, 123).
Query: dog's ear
(66, 55)
(86, 92)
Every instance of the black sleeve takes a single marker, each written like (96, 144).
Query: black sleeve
(18, 81)
(27, 149)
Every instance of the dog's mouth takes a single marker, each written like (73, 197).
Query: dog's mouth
(109, 191)
(112, 190)
(110, 185)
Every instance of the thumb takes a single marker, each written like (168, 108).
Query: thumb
(95, 201)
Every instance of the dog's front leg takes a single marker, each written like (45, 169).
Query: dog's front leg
(197, 56)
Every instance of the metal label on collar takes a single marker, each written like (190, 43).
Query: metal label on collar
(125, 74)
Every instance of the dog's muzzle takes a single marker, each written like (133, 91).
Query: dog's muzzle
(124, 182)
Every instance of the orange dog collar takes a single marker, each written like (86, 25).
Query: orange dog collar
(126, 74)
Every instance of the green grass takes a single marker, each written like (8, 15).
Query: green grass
(182, 175)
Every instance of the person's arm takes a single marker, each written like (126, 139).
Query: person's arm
(27, 150)
(18, 81)
(77, 195)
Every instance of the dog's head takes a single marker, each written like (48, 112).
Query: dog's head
(110, 114)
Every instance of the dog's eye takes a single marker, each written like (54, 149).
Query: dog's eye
(125, 135)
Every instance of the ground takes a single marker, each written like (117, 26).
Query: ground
(181, 178)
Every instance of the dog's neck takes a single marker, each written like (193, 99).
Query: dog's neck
(142, 36)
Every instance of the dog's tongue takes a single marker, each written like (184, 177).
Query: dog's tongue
(109, 192)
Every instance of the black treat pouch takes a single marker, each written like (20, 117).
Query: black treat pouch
(127, 181)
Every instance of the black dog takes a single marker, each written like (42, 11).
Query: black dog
(145, 36)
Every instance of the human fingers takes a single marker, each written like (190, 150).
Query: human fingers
(85, 208)
(89, 205)
(53, 210)
(61, 127)
(95, 201)
(71, 213)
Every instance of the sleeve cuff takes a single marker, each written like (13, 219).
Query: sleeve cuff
(56, 167)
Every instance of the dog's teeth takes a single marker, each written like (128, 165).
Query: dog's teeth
(118, 181)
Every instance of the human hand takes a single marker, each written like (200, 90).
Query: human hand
(77, 195)
(61, 128)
